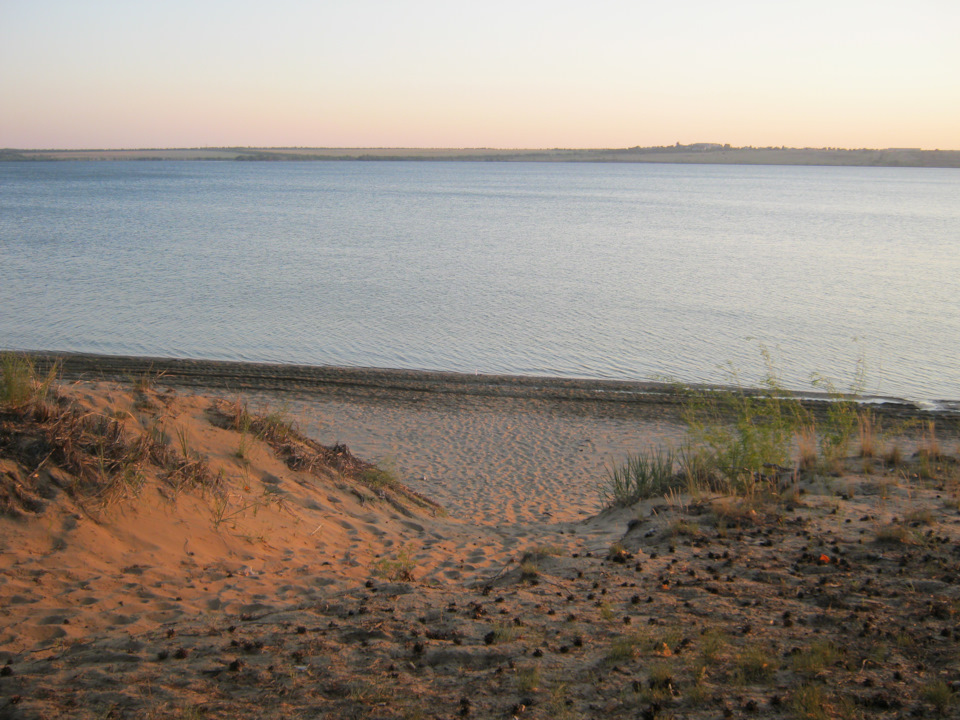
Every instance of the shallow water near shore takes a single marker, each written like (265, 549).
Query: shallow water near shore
(576, 270)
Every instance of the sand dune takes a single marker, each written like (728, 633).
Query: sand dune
(242, 574)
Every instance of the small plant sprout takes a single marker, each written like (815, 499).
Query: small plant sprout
(183, 441)
(929, 446)
(398, 568)
(529, 568)
(755, 664)
(815, 658)
(243, 449)
(623, 649)
(528, 679)
(807, 447)
(868, 434)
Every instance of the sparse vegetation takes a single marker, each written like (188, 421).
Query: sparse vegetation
(807, 447)
(528, 679)
(842, 416)
(242, 449)
(301, 453)
(380, 476)
(624, 648)
(147, 380)
(893, 457)
(639, 477)
(222, 511)
(746, 431)
(929, 445)
(503, 633)
(867, 428)
(699, 469)
(682, 527)
(808, 702)
(939, 694)
(919, 516)
(755, 664)
(784, 594)
(529, 568)
(398, 568)
(22, 386)
(895, 532)
(712, 644)
(813, 659)
(105, 461)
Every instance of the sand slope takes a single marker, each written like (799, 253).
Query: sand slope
(268, 591)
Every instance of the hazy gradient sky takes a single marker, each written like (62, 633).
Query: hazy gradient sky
(426, 73)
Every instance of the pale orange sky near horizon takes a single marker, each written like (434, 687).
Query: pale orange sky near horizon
(111, 74)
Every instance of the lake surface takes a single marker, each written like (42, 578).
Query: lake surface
(585, 270)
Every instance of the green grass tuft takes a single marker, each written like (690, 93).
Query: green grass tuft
(640, 477)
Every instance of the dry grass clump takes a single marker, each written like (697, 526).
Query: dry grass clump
(807, 447)
(928, 447)
(894, 533)
(296, 450)
(304, 454)
(809, 702)
(867, 430)
(624, 648)
(733, 512)
(25, 391)
(819, 655)
(755, 664)
(698, 468)
(66, 447)
(939, 694)
(893, 456)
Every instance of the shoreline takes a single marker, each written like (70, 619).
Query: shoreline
(372, 382)
(697, 153)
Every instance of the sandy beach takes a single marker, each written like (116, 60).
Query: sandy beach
(172, 548)
(490, 449)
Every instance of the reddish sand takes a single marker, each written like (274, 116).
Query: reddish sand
(269, 591)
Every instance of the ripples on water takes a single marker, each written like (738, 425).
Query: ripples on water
(594, 270)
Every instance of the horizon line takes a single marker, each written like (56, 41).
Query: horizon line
(676, 146)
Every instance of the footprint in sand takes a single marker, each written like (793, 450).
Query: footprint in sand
(374, 530)
(348, 526)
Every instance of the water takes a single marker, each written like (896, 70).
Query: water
(585, 270)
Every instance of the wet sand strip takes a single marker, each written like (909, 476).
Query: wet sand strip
(636, 397)
(248, 376)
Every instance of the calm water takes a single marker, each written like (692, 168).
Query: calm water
(591, 270)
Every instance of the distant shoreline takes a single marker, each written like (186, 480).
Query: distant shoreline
(699, 153)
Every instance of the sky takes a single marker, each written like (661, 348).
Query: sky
(496, 74)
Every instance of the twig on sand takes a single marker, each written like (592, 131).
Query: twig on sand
(497, 575)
